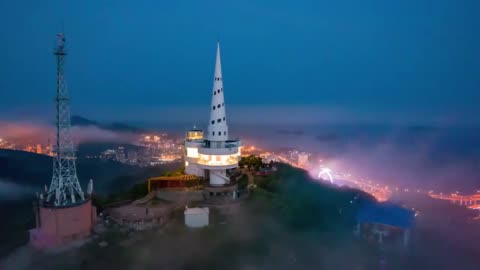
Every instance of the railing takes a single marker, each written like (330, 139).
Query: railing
(226, 144)
(218, 151)
(227, 162)
(221, 176)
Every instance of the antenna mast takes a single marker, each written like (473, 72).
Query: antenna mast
(65, 187)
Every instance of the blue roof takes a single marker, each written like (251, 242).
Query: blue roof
(386, 213)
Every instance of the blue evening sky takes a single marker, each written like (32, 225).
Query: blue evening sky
(347, 60)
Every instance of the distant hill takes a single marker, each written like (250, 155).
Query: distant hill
(29, 169)
(115, 126)
(81, 121)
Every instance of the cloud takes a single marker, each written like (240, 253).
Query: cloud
(10, 191)
(95, 134)
(442, 159)
(284, 115)
(26, 132)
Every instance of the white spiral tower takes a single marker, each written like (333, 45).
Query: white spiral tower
(216, 154)
(217, 127)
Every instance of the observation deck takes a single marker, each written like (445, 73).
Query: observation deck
(219, 155)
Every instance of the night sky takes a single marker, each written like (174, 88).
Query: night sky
(399, 61)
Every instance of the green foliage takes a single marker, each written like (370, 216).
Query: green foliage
(136, 192)
(269, 182)
(251, 161)
(243, 182)
(14, 229)
(139, 190)
(303, 204)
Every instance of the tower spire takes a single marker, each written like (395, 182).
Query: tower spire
(217, 127)
(65, 187)
(215, 155)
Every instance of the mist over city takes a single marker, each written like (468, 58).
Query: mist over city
(249, 135)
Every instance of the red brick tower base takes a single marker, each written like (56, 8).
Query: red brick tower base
(57, 226)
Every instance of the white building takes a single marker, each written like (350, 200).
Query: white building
(303, 159)
(212, 155)
(266, 159)
(196, 217)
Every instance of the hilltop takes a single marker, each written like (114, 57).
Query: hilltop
(287, 222)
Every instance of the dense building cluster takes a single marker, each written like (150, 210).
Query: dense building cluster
(37, 148)
(149, 150)
(4, 144)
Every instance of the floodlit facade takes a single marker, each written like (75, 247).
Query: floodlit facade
(210, 155)
(192, 143)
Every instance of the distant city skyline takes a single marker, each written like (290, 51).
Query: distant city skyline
(409, 62)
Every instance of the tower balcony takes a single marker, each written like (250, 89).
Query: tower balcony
(194, 143)
(219, 151)
(222, 144)
(218, 162)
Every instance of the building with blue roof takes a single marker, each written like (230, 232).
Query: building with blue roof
(385, 220)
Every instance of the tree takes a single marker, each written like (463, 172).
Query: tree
(251, 161)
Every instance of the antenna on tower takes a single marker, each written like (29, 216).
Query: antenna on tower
(90, 187)
(65, 182)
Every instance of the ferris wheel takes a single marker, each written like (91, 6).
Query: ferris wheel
(325, 174)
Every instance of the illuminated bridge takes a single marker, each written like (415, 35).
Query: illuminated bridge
(470, 201)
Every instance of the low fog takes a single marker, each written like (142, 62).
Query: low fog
(426, 157)
(440, 159)
(295, 224)
(27, 132)
(10, 191)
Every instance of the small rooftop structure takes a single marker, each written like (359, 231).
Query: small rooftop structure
(195, 134)
(385, 220)
(196, 217)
